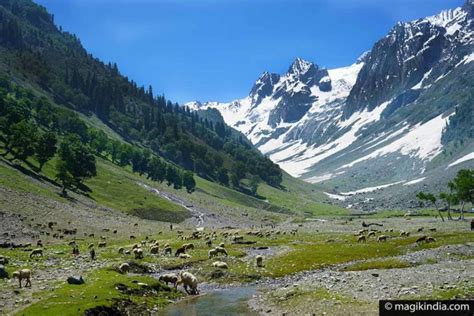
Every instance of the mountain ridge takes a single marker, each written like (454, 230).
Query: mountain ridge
(403, 107)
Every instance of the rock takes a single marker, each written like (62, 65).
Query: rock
(375, 275)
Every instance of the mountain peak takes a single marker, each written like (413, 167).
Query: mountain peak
(300, 66)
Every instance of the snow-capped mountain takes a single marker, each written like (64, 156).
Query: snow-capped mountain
(402, 110)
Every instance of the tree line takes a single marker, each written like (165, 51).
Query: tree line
(31, 126)
(56, 61)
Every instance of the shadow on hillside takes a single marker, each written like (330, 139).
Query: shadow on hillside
(30, 172)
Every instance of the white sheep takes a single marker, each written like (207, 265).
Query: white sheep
(138, 253)
(23, 274)
(169, 278)
(221, 250)
(168, 250)
(189, 281)
(212, 253)
(220, 265)
(36, 252)
(184, 256)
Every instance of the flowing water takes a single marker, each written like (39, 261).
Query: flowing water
(230, 301)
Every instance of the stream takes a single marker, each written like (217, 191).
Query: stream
(228, 301)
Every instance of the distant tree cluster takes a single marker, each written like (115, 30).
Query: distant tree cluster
(461, 191)
(57, 62)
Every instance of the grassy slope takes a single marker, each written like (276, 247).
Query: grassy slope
(117, 188)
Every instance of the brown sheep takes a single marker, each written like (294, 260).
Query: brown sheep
(180, 250)
(154, 250)
(169, 278)
(421, 239)
(23, 274)
(382, 238)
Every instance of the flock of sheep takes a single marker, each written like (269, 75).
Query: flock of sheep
(138, 250)
(185, 278)
(364, 234)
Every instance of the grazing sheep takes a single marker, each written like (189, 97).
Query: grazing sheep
(420, 229)
(259, 260)
(169, 278)
(3, 260)
(138, 253)
(39, 243)
(212, 253)
(382, 238)
(432, 229)
(220, 265)
(188, 246)
(90, 246)
(124, 268)
(420, 239)
(180, 250)
(23, 274)
(361, 239)
(167, 251)
(222, 245)
(430, 239)
(102, 244)
(237, 238)
(3, 272)
(189, 281)
(372, 233)
(209, 243)
(92, 254)
(75, 280)
(154, 250)
(121, 250)
(184, 256)
(36, 252)
(135, 246)
(221, 250)
(132, 237)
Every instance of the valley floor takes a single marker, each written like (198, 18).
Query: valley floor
(313, 266)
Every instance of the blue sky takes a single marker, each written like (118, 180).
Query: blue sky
(214, 50)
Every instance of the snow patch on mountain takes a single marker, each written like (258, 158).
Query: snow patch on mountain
(422, 140)
(461, 160)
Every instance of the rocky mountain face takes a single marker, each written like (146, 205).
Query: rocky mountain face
(399, 118)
